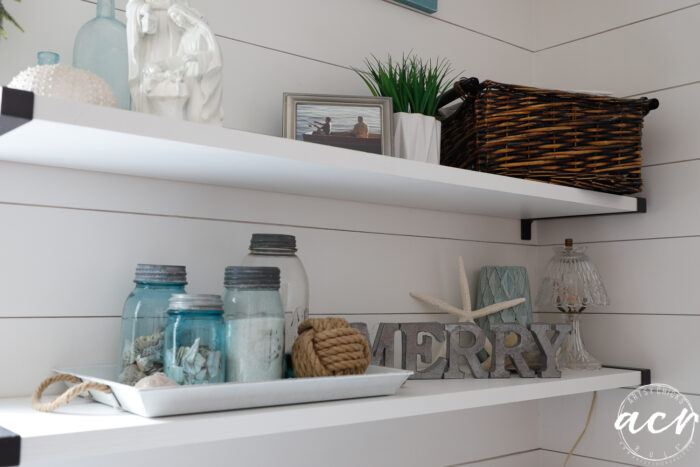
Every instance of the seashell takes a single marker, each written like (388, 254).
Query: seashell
(192, 352)
(128, 354)
(131, 375)
(156, 380)
(199, 362)
(177, 373)
(195, 364)
(153, 352)
(201, 376)
(214, 363)
(180, 353)
(145, 364)
(65, 82)
(143, 342)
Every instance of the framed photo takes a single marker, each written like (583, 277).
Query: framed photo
(359, 123)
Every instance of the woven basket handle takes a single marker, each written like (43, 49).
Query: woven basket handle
(652, 104)
(460, 89)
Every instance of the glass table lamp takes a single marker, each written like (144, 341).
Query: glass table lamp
(572, 283)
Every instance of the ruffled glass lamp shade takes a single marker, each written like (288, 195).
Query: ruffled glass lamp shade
(572, 283)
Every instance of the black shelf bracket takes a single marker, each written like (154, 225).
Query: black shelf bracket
(646, 373)
(10, 444)
(17, 109)
(526, 224)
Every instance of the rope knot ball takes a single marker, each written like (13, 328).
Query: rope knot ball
(329, 347)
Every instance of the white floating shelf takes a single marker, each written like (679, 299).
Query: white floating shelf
(86, 429)
(44, 131)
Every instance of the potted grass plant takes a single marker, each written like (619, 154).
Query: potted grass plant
(415, 86)
(4, 15)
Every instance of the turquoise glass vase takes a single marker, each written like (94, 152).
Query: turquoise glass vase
(100, 47)
(499, 284)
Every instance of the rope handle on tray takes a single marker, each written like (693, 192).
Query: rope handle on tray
(72, 392)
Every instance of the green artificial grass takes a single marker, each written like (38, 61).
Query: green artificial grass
(415, 86)
(4, 15)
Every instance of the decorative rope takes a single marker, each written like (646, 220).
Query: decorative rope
(329, 347)
(588, 419)
(72, 392)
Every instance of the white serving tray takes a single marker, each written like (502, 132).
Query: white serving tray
(178, 400)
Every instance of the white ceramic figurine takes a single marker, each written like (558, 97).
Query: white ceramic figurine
(175, 63)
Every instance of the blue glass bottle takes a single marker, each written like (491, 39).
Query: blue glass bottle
(100, 47)
(144, 319)
(254, 324)
(194, 340)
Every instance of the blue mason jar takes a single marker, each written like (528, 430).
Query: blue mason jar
(254, 324)
(194, 340)
(144, 318)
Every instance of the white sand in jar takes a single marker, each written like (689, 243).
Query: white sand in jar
(255, 349)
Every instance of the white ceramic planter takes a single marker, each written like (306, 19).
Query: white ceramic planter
(417, 137)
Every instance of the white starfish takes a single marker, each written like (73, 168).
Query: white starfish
(466, 314)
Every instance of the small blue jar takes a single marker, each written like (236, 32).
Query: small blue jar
(144, 318)
(194, 339)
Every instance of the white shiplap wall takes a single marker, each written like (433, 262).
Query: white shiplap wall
(649, 261)
(69, 240)
(69, 233)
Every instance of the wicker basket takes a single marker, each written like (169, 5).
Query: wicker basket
(581, 140)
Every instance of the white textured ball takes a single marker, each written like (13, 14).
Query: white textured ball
(65, 82)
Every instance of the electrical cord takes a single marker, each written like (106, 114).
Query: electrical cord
(588, 419)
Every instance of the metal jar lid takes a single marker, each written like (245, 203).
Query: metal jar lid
(252, 277)
(183, 301)
(160, 273)
(275, 242)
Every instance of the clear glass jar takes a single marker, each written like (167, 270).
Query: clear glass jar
(280, 251)
(194, 340)
(143, 320)
(254, 324)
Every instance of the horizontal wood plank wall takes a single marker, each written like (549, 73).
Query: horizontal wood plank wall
(69, 239)
(67, 263)
(271, 48)
(556, 459)
(601, 440)
(649, 261)
(523, 459)
(73, 231)
(555, 22)
(506, 20)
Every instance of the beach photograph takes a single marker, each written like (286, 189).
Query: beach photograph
(347, 126)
